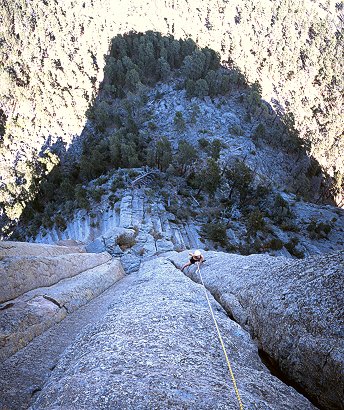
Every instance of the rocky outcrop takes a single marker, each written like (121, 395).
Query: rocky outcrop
(157, 348)
(23, 374)
(19, 274)
(11, 248)
(136, 227)
(294, 309)
(26, 317)
(42, 290)
(111, 240)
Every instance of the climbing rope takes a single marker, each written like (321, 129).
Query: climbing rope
(221, 341)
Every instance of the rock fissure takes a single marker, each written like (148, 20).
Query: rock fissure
(272, 365)
(6, 306)
(52, 300)
(298, 334)
(266, 359)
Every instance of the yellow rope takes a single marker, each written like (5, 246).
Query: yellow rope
(221, 341)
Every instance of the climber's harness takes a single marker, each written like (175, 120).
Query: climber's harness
(220, 338)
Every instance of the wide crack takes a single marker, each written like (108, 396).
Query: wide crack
(270, 363)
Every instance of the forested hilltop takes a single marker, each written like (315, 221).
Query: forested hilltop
(292, 49)
(173, 126)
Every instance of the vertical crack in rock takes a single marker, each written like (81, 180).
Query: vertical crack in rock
(265, 358)
(274, 368)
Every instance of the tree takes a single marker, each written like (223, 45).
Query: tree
(173, 54)
(212, 60)
(115, 149)
(209, 178)
(160, 154)
(237, 77)
(132, 79)
(218, 82)
(187, 47)
(179, 121)
(213, 82)
(190, 88)
(118, 47)
(129, 155)
(146, 58)
(186, 155)
(255, 95)
(193, 66)
(102, 115)
(255, 222)
(201, 88)
(163, 69)
(225, 84)
(215, 148)
(259, 132)
(66, 189)
(92, 165)
(241, 178)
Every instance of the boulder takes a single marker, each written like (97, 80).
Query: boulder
(118, 236)
(111, 240)
(131, 263)
(294, 308)
(21, 321)
(164, 245)
(157, 348)
(97, 246)
(19, 274)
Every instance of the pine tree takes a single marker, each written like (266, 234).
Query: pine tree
(160, 154)
(186, 156)
(201, 88)
(210, 177)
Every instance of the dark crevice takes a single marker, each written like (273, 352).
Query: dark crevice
(55, 302)
(8, 305)
(229, 313)
(52, 300)
(35, 391)
(52, 367)
(271, 364)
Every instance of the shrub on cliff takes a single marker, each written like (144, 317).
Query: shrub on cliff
(216, 232)
(240, 180)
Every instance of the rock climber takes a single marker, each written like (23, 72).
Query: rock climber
(196, 257)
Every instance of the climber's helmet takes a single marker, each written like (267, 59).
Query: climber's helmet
(197, 253)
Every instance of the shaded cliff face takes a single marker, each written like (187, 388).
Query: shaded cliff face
(52, 63)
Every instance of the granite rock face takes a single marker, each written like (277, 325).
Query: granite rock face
(19, 274)
(41, 284)
(295, 310)
(9, 248)
(157, 348)
(109, 240)
(29, 315)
